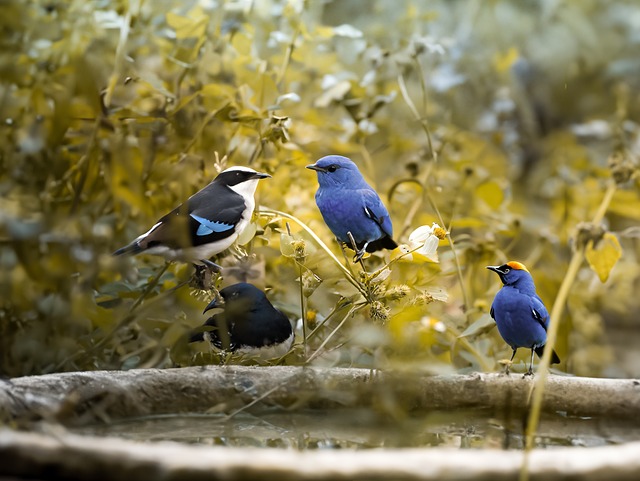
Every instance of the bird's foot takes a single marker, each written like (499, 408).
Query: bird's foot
(359, 252)
(203, 278)
(528, 373)
(212, 266)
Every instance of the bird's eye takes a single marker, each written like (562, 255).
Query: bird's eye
(332, 168)
(506, 270)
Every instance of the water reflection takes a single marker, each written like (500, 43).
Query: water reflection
(363, 428)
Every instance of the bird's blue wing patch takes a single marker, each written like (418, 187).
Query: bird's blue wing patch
(207, 226)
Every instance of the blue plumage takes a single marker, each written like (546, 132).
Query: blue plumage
(207, 227)
(520, 314)
(348, 204)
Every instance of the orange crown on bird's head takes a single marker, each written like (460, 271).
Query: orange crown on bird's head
(517, 266)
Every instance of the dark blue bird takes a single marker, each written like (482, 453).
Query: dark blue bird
(348, 204)
(249, 325)
(520, 315)
(208, 223)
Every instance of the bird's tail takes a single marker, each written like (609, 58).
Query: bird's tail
(196, 337)
(131, 249)
(385, 242)
(554, 356)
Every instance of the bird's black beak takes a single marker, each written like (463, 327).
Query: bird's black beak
(260, 175)
(495, 269)
(214, 304)
(316, 168)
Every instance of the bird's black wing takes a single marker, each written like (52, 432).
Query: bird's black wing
(219, 335)
(208, 216)
(375, 210)
(539, 311)
(214, 213)
(541, 315)
(263, 326)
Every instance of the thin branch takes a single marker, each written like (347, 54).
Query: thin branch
(350, 277)
(552, 331)
(354, 308)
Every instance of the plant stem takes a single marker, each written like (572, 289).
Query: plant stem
(465, 300)
(350, 277)
(424, 122)
(303, 311)
(556, 313)
(353, 309)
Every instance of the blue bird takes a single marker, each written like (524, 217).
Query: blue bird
(348, 204)
(520, 315)
(208, 223)
(249, 325)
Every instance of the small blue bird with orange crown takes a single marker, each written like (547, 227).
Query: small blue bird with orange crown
(520, 315)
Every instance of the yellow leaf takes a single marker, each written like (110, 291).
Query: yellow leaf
(399, 322)
(193, 26)
(491, 193)
(604, 255)
(216, 90)
(286, 245)
(324, 32)
(626, 203)
(504, 61)
(247, 234)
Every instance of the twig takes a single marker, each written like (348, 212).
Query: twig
(353, 309)
(554, 322)
(350, 277)
(287, 59)
(130, 317)
(465, 299)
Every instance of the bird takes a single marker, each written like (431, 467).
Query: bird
(520, 314)
(349, 205)
(249, 325)
(206, 224)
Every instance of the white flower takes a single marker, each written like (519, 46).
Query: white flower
(424, 241)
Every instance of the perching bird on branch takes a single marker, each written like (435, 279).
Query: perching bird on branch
(349, 205)
(248, 325)
(520, 315)
(206, 224)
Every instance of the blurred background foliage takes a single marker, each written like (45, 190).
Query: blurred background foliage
(495, 119)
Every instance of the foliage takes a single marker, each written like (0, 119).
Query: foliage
(495, 120)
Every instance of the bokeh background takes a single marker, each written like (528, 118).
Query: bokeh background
(502, 121)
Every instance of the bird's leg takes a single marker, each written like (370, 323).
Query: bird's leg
(511, 360)
(203, 278)
(530, 371)
(213, 267)
(359, 253)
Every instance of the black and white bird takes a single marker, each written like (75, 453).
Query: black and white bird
(249, 325)
(206, 224)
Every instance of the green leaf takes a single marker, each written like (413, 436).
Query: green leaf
(480, 326)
